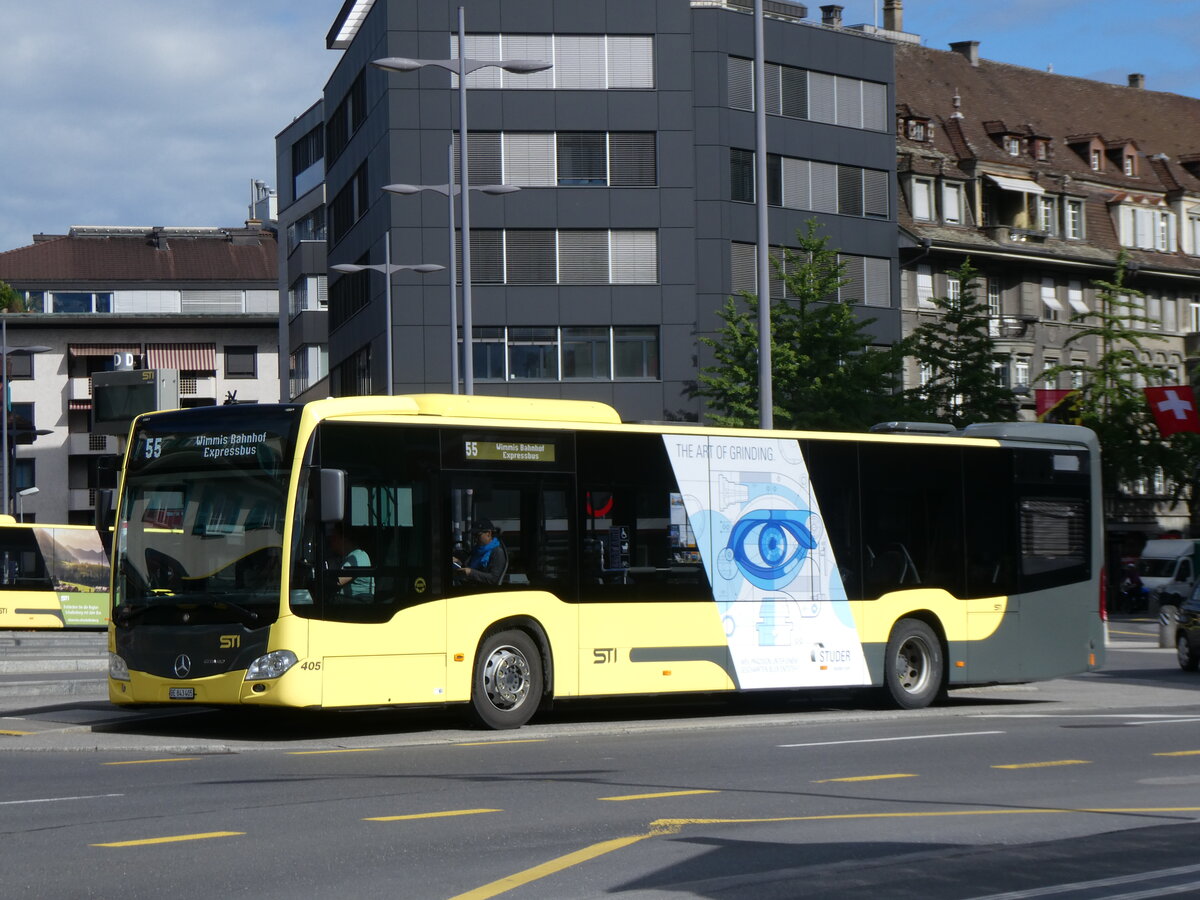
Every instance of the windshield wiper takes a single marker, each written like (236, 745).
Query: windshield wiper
(249, 615)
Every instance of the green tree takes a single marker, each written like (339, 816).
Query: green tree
(958, 358)
(826, 374)
(1110, 400)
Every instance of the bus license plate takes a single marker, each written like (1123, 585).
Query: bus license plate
(182, 693)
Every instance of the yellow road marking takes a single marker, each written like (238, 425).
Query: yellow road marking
(431, 815)
(15, 733)
(667, 827)
(656, 796)
(1180, 753)
(1043, 765)
(514, 741)
(142, 762)
(866, 778)
(344, 750)
(172, 839)
(550, 868)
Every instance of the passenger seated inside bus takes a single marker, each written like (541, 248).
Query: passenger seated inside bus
(349, 557)
(487, 562)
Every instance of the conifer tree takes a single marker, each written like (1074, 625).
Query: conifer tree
(825, 372)
(958, 358)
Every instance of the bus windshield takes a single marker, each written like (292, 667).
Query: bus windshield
(200, 533)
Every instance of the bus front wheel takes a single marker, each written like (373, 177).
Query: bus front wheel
(913, 670)
(506, 687)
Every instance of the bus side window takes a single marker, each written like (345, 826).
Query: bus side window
(636, 541)
(912, 502)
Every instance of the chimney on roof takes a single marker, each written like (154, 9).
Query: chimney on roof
(1137, 80)
(893, 15)
(831, 15)
(969, 50)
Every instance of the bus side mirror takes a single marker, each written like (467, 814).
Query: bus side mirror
(333, 495)
(104, 509)
(104, 514)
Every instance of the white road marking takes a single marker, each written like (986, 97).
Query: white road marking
(59, 799)
(911, 737)
(1107, 882)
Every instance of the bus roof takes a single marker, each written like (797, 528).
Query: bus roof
(470, 406)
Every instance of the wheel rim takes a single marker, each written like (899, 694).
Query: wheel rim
(913, 665)
(506, 678)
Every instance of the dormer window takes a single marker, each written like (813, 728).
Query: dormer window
(1090, 148)
(1041, 150)
(919, 129)
(1013, 145)
(1123, 154)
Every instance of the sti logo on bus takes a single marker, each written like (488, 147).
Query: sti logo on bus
(604, 655)
(230, 641)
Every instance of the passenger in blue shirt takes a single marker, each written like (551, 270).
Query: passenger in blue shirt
(361, 587)
(487, 561)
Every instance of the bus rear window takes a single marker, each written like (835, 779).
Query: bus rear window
(1054, 539)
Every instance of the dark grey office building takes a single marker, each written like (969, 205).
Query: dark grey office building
(635, 219)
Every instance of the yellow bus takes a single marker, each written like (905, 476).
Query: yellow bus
(636, 558)
(52, 576)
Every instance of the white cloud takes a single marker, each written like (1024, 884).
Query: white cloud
(146, 112)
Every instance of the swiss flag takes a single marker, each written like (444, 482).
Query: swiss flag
(1174, 409)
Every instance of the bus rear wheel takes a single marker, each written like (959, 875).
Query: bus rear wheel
(913, 669)
(506, 686)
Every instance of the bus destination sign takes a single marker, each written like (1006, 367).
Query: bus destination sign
(509, 451)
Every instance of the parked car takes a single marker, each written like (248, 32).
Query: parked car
(1187, 634)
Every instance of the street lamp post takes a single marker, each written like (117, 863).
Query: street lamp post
(450, 189)
(21, 495)
(5, 352)
(387, 269)
(766, 400)
(462, 67)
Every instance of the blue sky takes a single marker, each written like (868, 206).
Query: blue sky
(161, 112)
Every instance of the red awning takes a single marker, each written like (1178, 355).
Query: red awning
(188, 357)
(103, 349)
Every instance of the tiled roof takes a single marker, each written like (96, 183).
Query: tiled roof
(994, 98)
(1030, 101)
(234, 255)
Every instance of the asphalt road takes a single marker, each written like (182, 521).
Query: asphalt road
(1080, 788)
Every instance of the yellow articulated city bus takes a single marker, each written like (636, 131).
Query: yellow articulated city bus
(316, 556)
(52, 576)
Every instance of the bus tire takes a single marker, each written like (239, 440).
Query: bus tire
(913, 669)
(506, 686)
(1189, 660)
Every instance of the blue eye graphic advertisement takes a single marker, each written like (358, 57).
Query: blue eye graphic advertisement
(776, 584)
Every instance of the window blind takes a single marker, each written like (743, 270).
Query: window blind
(630, 61)
(740, 76)
(530, 256)
(583, 257)
(580, 62)
(634, 257)
(528, 159)
(796, 190)
(632, 159)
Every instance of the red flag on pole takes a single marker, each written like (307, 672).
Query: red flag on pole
(1174, 409)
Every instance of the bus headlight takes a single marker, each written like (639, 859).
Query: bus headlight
(272, 665)
(117, 670)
